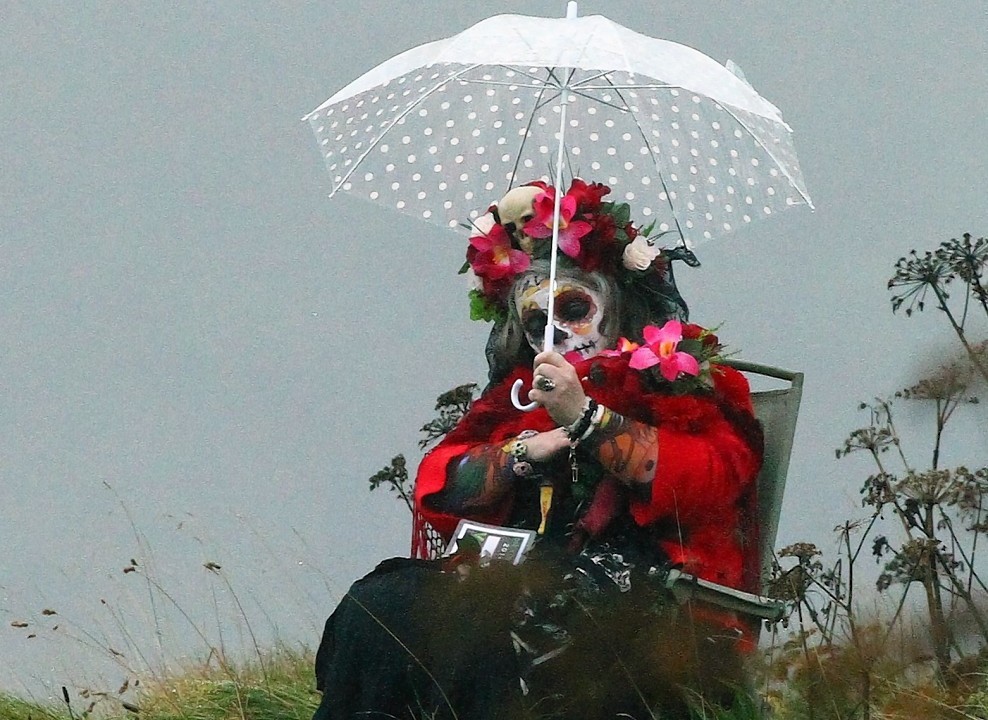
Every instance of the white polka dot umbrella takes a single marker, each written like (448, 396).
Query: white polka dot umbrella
(446, 128)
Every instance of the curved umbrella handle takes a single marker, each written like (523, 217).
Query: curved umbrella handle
(516, 399)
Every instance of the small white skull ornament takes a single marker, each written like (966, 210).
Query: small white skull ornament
(515, 209)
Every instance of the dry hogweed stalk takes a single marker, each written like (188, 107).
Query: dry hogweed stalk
(931, 551)
(963, 261)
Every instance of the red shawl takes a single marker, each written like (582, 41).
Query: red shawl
(703, 492)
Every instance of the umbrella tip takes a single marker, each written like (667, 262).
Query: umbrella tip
(571, 9)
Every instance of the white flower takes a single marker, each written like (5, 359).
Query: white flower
(482, 225)
(639, 254)
(473, 281)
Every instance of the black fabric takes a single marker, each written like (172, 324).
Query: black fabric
(410, 641)
(593, 638)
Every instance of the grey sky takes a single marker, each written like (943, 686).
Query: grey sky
(187, 318)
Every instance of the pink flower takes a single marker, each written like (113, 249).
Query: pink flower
(490, 255)
(660, 349)
(570, 231)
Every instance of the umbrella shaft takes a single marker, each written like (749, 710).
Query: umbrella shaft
(548, 339)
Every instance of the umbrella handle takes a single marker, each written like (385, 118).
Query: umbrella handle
(516, 399)
(547, 341)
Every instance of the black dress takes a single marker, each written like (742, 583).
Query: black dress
(564, 635)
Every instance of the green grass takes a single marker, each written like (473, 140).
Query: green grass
(280, 686)
(12, 708)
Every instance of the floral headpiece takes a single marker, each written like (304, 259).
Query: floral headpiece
(594, 235)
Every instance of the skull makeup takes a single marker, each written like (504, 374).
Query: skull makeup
(577, 312)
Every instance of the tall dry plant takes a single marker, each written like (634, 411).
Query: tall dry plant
(450, 406)
(956, 263)
(924, 522)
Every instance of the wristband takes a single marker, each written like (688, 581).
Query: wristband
(594, 422)
(576, 431)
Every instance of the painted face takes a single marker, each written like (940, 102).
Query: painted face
(577, 312)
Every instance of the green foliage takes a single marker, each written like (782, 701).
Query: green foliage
(483, 309)
(282, 688)
(395, 478)
(12, 708)
(450, 406)
(621, 212)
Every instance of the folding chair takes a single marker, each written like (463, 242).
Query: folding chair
(777, 409)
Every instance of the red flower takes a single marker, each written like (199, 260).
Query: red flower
(598, 252)
(588, 197)
(661, 349)
(624, 346)
(491, 256)
(695, 332)
(497, 289)
(570, 230)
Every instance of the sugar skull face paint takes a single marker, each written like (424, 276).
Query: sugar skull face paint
(577, 312)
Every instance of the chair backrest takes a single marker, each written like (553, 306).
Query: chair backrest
(777, 410)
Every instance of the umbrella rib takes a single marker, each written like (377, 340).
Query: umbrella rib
(657, 86)
(503, 83)
(541, 103)
(543, 82)
(573, 89)
(584, 81)
(601, 102)
(524, 137)
(655, 163)
(530, 76)
(394, 122)
(779, 165)
(551, 72)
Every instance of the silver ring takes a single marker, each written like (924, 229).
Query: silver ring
(543, 383)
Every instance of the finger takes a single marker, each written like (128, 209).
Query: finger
(550, 357)
(547, 370)
(560, 376)
(537, 396)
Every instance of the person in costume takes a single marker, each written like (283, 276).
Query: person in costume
(641, 456)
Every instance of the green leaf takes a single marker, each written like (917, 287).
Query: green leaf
(483, 309)
(621, 212)
(693, 347)
(464, 267)
(393, 476)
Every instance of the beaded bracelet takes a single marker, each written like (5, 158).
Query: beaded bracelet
(576, 431)
(518, 450)
(594, 422)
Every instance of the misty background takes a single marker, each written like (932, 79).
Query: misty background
(203, 359)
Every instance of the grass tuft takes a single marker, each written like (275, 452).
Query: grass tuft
(281, 687)
(12, 708)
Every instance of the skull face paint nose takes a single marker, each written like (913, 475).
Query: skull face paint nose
(577, 312)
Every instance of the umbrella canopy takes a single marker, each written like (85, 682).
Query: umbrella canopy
(442, 130)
